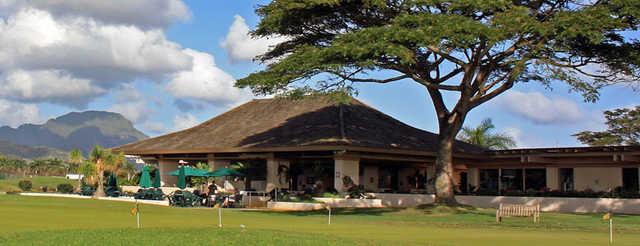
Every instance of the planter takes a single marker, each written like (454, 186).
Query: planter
(351, 203)
(294, 206)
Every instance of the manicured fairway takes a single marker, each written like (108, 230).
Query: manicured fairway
(37, 181)
(60, 221)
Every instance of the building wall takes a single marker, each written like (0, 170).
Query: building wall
(167, 166)
(547, 204)
(597, 178)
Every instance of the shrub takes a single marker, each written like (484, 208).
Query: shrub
(65, 188)
(13, 191)
(44, 188)
(25, 185)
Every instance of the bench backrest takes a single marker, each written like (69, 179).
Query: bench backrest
(518, 210)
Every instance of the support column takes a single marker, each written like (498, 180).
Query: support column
(370, 178)
(275, 180)
(165, 167)
(553, 178)
(346, 166)
(431, 175)
(474, 177)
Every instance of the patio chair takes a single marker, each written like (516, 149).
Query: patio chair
(157, 194)
(86, 190)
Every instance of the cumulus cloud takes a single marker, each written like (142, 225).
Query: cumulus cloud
(541, 109)
(47, 85)
(204, 82)
(131, 104)
(184, 121)
(74, 51)
(15, 114)
(241, 46)
(160, 13)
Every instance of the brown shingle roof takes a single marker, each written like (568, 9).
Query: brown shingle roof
(314, 121)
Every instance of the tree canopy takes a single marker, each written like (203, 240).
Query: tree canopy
(468, 51)
(483, 135)
(623, 128)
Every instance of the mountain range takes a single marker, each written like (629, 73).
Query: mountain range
(76, 130)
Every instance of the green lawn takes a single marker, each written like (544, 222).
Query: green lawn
(37, 181)
(60, 221)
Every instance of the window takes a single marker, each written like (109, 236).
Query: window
(489, 180)
(511, 179)
(565, 178)
(630, 179)
(535, 179)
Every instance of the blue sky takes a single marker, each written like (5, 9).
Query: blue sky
(137, 81)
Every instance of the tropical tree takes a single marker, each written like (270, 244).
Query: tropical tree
(129, 170)
(468, 52)
(483, 135)
(104, 160)
(75, 160)
(623, 128)
(88, 170)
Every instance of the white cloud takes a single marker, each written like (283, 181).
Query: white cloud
(143, 13)
(72, 52)
(154, 127)
(184, 121)
(241, 46)
(39, 85)
(83, 52)
(205, 82)
(131, 104)
(15, 114)
(538, 108)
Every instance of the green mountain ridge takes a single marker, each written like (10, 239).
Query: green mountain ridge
(12, 150)
(75, 130)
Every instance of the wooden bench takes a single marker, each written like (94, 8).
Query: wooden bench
(518, 210)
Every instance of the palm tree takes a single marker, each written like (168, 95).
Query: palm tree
(483, 136)
(104, 160)
(76, 159)
(129, 169)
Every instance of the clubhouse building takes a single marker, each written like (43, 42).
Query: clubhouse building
(291, 144)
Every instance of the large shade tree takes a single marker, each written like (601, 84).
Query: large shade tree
(468, 51)
(623, 128)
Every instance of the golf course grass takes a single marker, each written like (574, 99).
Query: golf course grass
(64, 221)
(11, 184)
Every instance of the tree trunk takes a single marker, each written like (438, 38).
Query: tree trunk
(100, 187)
(444, 183)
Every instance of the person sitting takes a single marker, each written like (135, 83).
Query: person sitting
(307, 190)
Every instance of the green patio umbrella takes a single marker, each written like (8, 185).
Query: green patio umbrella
(156, 180)
(222, 172)
(113, 181)
(145, 178)
(190, 172)
(182, 178)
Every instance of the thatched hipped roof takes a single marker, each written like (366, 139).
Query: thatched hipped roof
(290, 124)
